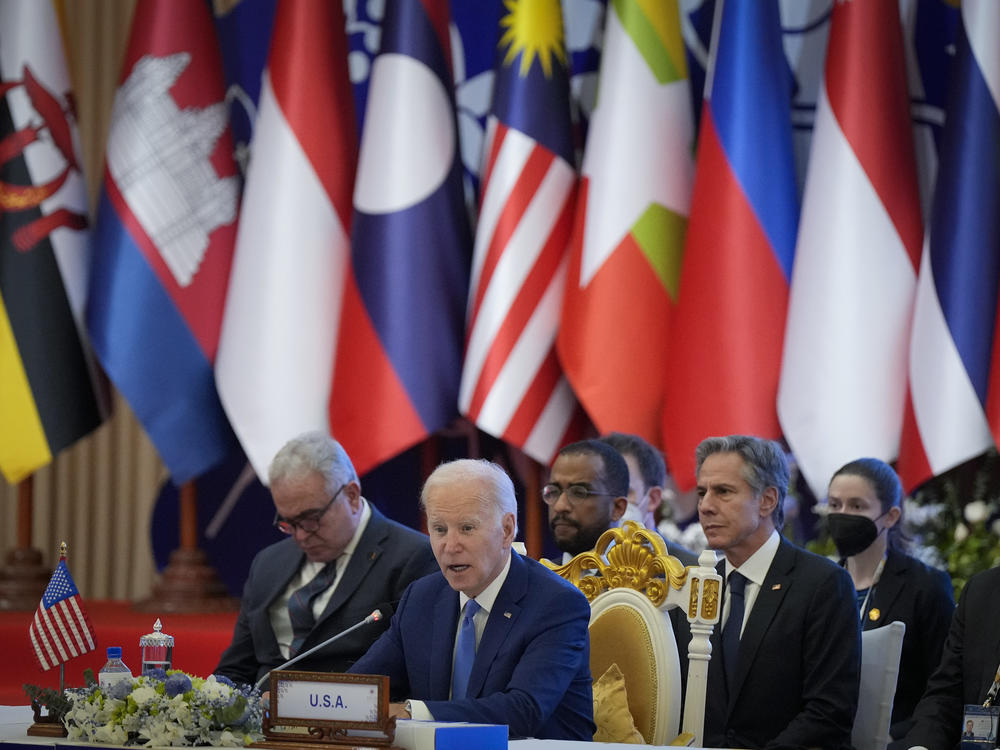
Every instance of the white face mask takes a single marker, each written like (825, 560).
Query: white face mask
(632, 513)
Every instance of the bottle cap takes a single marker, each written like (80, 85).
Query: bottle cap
(114, 652)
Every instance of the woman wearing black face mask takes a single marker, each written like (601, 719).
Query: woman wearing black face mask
(865, 520)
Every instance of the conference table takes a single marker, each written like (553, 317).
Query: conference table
(199, 640)
(15, 720)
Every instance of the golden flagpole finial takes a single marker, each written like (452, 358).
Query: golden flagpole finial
(62, 550)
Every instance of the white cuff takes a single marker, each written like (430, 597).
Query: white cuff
(418, 710)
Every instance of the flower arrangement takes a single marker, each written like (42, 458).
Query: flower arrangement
(164, 709)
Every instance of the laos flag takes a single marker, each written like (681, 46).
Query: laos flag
(165, 231)
(399, 353)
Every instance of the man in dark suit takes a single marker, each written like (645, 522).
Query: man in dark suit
(341, 561)
(493, 637)
(786, 657)
(969, 663)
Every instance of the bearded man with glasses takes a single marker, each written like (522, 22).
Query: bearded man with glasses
(341, 560)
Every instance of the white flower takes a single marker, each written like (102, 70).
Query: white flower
(961, 532)
(143, 695)
(976, 512)
(995, 527)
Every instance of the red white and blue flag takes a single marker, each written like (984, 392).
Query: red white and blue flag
(399, 352)
(725, 338)
(954, 364)
(512, 384)
(276, 353)
(60, 629)
(843, 378)
(165, 231)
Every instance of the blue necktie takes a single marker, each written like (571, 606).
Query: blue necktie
(465, 651)
(300, 605)
(731, 632)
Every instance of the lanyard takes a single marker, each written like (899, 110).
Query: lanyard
(994, 689)
(875, 578)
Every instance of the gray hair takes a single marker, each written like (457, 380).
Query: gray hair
(313, 452)
(764, 465)
(499, 489)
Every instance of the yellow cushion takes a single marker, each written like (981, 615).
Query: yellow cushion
(611, 714)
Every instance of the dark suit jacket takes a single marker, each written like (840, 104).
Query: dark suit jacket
(532, 668)
(388, 557)
(968, 662)
(799, 664)
(923, 598)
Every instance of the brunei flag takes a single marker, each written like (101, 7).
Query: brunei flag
(48, 397)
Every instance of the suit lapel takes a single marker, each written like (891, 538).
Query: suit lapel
(765, 607)
(502, 618)
(444, 626)
(365, 554)
(887, 590)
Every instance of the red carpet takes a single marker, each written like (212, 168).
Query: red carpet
(199, 640)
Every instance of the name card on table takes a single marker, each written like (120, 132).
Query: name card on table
(307, 708)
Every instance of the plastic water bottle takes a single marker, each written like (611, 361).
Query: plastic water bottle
(115, 670)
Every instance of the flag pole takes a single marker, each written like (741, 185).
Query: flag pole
(189, 583)
(24, 577)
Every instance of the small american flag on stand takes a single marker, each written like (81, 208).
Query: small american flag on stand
(60, 629)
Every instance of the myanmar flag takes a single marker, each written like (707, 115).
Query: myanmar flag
(630, 221)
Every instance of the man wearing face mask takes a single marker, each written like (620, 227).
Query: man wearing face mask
(647, 475)
(865, 520)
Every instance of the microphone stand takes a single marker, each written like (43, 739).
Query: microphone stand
(373, 617)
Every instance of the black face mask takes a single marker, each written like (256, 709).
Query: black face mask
(852, 534)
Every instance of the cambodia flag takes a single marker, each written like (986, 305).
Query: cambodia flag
(953, 366)
(725, 339)
(512, 384)
(165, 231)
(399, 353)
(843, 377)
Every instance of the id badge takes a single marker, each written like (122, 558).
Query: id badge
(979, 727)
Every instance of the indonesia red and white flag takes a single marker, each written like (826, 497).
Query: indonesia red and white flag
(843, 379)
(60, 629)
(512, 384)
(275, 364)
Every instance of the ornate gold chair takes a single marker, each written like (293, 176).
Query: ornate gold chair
(631, 583)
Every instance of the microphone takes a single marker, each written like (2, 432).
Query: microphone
(383, 612)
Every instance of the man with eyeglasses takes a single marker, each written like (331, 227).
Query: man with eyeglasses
(586, 495)
(341, 560)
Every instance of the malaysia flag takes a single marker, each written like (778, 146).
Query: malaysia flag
(843, 378)
(275, 363)
(399, 353)
(512, 385)
(953, 366)
(725, 339)
(165, 230)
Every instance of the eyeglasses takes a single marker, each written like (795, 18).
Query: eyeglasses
(575, 493)
(309, 520)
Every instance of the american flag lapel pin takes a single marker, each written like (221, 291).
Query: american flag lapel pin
(507, 615)
(776, 587)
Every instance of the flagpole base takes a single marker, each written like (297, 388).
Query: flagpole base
(23, 579)
(45, 725)
(189, 584)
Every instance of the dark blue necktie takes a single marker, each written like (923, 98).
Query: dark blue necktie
(300, 605)
(731, 632)
(465, 651)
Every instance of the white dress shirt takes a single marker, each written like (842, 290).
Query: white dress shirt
(754, 569)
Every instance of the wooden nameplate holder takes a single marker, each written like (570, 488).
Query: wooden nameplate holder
(308, 710)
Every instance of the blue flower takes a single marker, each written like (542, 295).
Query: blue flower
(119, 690)
(224, 680)
(155, 674)
(177, 684)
